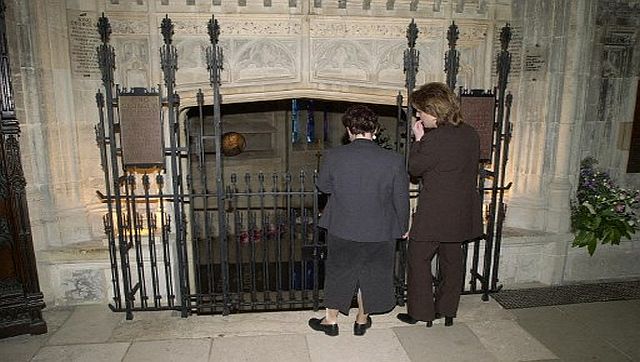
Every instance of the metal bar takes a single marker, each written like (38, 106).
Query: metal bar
(399, 123)
(169, 65)
(108, 218)
(264, 236)
(411, 62)
(106, 60)
(317, 255)
(165, 226)
(195, 226)
(303, 236)
(279, 225)
(291, 222)
(135, 227)
(502, 207)
(151, 236)
(503, 65)
(251, 227)
(452, 56)
(214, 65)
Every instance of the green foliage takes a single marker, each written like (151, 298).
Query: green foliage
(602, 211)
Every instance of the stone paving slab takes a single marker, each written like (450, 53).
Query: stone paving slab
(375, 345)
(438, 343)
(21, 348)
(281, 348)
(87, 324)
(192, 350)
(570, 338)
(112, 352)
(483, 331)
(509, 342)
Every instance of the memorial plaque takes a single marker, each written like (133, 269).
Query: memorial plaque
(478, 111)
(141, 131)
(83, 41)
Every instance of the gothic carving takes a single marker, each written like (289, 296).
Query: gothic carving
(332, 29)
(265, 59)
(472, 33)
(192, 53)
(233, 27)
(3, 185)
(129, 25)
(134, 63)
(5, 233)
(15, 176)
(390, 67)
(341, 60)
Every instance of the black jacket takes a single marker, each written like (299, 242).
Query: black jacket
(369, 189)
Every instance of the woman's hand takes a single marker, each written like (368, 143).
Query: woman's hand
(418, 130)
(406, 235)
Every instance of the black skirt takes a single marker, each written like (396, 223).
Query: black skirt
(366, 265)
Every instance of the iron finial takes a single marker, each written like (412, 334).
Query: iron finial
(453, 35)
(104, 28)
(505, 37)
(167, 29)
(412, 34)
(214, 30)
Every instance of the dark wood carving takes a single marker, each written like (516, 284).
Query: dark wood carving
(21, 301)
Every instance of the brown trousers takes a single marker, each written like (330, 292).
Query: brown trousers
(421, 302)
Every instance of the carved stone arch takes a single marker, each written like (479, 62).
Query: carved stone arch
(342, 60)
(429, 71)
(134, 63)
(389, 68)
(263, 59)
(192, 53)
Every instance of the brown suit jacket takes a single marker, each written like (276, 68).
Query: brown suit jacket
(449, 209)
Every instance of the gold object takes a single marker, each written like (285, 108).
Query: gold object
(233, 143)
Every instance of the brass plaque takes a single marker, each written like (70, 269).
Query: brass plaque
(141, 131)
(478, 111)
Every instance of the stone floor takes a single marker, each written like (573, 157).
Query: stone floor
(483, 331)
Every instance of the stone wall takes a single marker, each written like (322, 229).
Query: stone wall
(574, 73)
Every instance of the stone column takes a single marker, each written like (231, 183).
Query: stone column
(548, 110)
(577, 19)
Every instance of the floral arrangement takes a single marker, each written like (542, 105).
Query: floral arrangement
(602, 211)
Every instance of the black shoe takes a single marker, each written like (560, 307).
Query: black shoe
(448, 321)
(405, 317)
(429, 324)
(328, 329)
(361, 329)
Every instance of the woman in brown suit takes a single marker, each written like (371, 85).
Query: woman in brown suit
(449, 212)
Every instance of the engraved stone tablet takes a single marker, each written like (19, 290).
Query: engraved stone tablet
(83, 41)
(141, 131)
(478, 111)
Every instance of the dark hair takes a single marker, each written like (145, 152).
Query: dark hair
(439, 101)
(360, 119)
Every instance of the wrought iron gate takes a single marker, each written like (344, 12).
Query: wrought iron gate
(183, 235)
